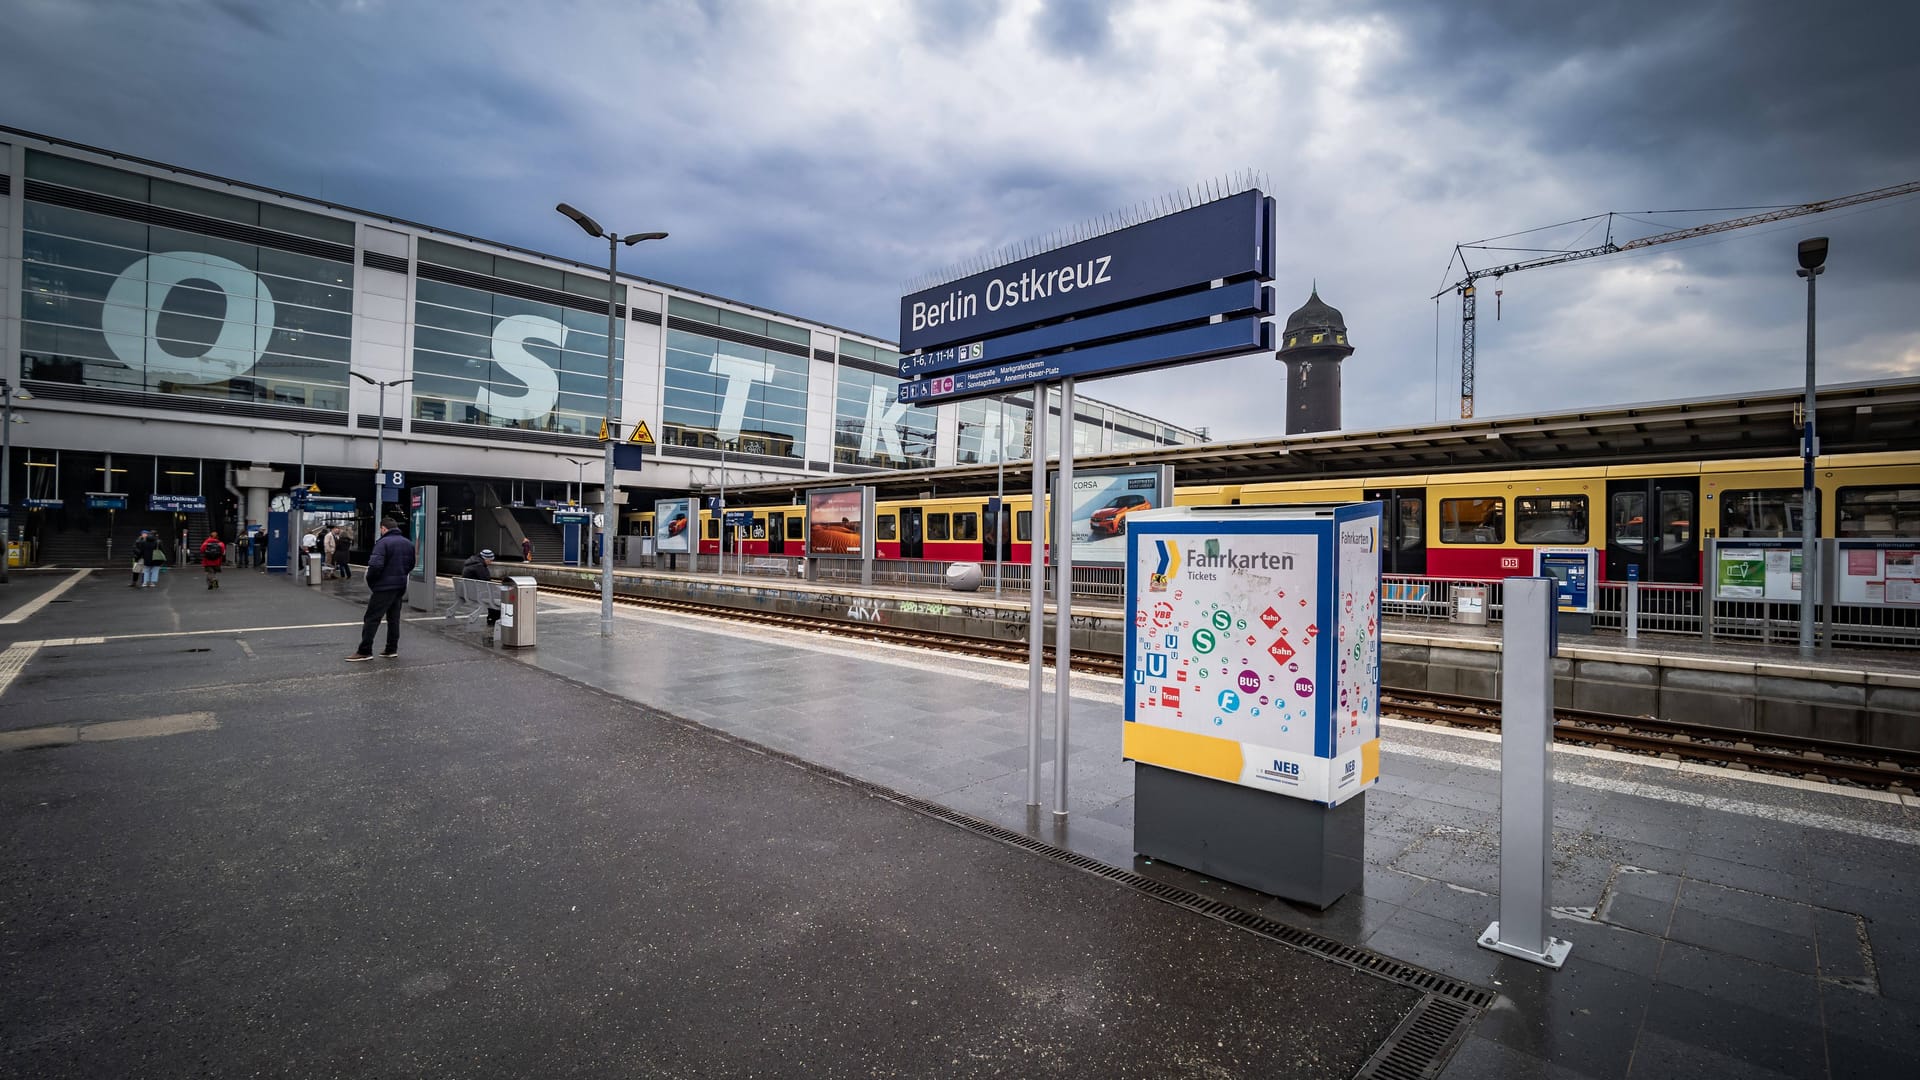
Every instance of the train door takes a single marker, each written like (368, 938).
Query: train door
(776, 534)
(1404, 512)
(996, 542)
(1653, 523)
(911, 538)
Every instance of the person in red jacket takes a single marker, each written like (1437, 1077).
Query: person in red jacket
(212, 554)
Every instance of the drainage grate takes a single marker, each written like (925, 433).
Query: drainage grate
(1437, 986)
(1422, 1043)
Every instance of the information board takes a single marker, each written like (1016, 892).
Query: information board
(1757, 570)
(1254, 656)
(1104, 500)
(839, 522)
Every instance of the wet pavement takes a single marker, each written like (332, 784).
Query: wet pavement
(227, 852)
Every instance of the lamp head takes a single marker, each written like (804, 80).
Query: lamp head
(637, 237)
(1813, 253)
(587, 224)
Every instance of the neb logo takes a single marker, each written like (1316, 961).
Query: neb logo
(1285, 768)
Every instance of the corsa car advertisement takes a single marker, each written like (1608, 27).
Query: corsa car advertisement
(674, 523)
(1254, 656)
(1103, 501)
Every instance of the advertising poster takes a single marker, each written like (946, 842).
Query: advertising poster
(837, 522)
(674, 523)
(1103, 500)
(1743, 574)
(1254, 657)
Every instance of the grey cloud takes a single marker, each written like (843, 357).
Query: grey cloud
(1075, 27)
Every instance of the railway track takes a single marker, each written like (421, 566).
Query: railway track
(1813, 759)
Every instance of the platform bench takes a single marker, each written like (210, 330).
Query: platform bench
(477, 596)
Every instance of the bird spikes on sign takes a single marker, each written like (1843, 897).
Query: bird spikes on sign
(1158, 207)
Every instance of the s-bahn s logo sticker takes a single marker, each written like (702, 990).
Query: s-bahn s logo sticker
(130, 319)
(1168, 566)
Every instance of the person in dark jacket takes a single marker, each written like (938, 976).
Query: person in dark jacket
(143, 550)
(212, 554)
(479, 566)
(388, 565)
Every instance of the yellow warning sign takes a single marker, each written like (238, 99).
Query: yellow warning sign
(641, 435)
(603, 431)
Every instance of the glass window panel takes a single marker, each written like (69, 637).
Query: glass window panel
(1889, 512)
(306, 268)
(1023, 526)
(1552, 519)
(858, 350)
(80, 174)
(445, 318)
(213, 204)
(302, 223)
(504, 306)
(1768, 513)
(194, 247)
(448, 341)
(1627, 520)
(734, 320)
(466, 367)
(546, 277)
(460, 258)
(966, 526)
(583, 285)
(1676, 520)
(885, 529)
(937, 527)
(783, 332)
(454, 296)
(79, 254)
(688, 309)
(1472, 521)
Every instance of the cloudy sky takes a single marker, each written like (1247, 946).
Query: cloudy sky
(813, 156)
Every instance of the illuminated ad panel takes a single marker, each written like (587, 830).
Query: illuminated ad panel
(1104, 500)
(674, 523)
(1254, 657)
(839, 522)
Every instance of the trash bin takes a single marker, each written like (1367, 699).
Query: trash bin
(519, 605)
(963, 576)
(1470, 605)
(316, 568)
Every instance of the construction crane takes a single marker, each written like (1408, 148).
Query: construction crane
(1465, 286)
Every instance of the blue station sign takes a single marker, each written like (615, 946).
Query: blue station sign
(1227, 239)
(178, 504)
(106, 500)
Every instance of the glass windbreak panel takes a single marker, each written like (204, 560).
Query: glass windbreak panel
(966, 526)
(1676, 520)
(1764, 513)
(885, 531)
(937, 527)
(1889, 512)
(1550, 519)
(1412, 524)
(1627, 520)
(1473, 521)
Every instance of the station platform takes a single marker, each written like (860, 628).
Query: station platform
(1858, 695)
(694, 848)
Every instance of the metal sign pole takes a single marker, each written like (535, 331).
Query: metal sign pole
(999, 496)
(1063, 603)
(1526, 776)
(1037, 580)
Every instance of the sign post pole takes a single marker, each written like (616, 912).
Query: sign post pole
(1063, 603)
(1037, 580)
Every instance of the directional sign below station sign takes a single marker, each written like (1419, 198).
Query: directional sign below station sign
(1228, 338)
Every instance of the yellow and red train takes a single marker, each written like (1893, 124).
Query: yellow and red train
(1655, 517)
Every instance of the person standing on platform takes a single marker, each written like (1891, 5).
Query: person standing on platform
(212, 554)
(526, 549)
(329, 538)
(144, 550)
(388, 565)
(342, 547)
(479, 566)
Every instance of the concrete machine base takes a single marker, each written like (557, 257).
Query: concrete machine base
(1290, 848)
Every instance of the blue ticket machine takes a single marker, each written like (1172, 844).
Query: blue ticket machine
(1573, 573)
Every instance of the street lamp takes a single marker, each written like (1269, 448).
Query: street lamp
(7, 394)
(380, 450)
(1813, 259)
(614, 241)
(303, 436)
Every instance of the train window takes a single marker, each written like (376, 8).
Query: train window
(1473, 521)
(713, 528)
(966, 526)
(1550, 519)
(793, 528)
(1887, 512)
(885, 532)
(1676, 520)
(1413, 523)
(1023, 526)
(936, 526)
(1770, 512)
(1627, 520)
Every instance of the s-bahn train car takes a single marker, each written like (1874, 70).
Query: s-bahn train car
(1653, 517)
(1656, 517)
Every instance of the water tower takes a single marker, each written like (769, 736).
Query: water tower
(1314, 343)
